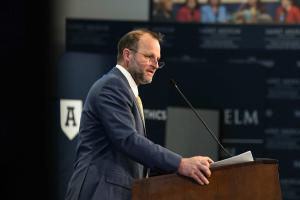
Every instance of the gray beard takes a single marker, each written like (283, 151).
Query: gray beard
(139, 78)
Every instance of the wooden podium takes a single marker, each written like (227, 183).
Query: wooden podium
(257, 180)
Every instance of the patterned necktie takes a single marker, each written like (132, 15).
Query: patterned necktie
(140, 104)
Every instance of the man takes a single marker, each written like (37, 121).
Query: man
(113, 149)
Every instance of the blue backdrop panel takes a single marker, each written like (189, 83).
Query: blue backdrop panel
(249, 73)
(253, 117)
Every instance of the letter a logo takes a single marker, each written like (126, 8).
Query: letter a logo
(70, 113)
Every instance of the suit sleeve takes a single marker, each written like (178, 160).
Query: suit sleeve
(113, 105)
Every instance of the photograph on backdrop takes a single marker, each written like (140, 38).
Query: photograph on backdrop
(226, 11)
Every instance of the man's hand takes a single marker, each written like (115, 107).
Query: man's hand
(196, 167)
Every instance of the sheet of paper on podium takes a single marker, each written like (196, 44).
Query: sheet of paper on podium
(241, 158)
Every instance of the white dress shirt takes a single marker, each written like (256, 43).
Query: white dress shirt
(130, 80)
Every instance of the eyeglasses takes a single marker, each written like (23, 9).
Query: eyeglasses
(151, 58)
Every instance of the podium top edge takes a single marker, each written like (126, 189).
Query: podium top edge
(255, 162)
(266, 160)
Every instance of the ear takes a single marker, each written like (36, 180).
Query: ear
(126, 55)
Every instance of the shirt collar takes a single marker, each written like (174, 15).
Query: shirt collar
(130, 80)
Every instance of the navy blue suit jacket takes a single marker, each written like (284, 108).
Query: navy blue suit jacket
(113, 149)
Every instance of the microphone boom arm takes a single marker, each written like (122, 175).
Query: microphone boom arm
(198, 116)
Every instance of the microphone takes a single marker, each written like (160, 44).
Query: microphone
(198, 116)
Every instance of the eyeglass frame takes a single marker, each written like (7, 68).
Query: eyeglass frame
(151, 58)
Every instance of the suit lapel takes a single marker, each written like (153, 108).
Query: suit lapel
(118, 73)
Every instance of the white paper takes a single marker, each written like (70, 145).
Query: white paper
(241, 158)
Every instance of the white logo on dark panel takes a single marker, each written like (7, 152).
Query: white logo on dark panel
(70, 113)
